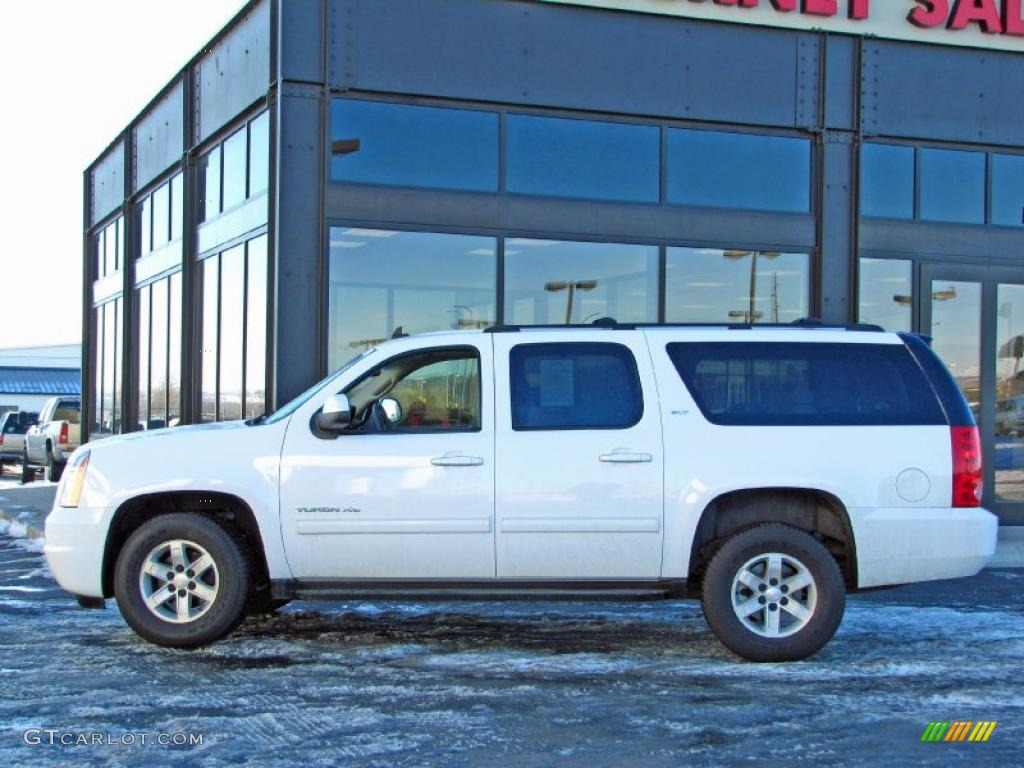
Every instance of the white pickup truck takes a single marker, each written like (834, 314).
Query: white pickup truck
(765, 470)
(51, 441)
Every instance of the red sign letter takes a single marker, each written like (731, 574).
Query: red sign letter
(983, 12)
(790, 5)
(1012, 17)
(821, 7)
(859, 9)
(929, 13)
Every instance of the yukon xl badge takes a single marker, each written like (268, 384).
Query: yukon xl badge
(325, 510)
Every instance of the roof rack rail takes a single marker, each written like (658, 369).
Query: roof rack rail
(608, 323)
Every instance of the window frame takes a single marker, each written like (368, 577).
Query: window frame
(639, 413)
(475, 352)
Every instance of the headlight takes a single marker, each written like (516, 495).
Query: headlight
(74, 480)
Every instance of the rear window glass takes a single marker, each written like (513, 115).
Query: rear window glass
(587, 385)
(806, 384)
(66, 412)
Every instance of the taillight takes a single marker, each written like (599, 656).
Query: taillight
(63, 433)
(966, 466)
(1, 438)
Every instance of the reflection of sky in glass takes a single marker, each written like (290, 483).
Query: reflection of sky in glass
(1009, 460)
(956, 331)
(414, 145)
(739, 170)
(1008, 190)
(422, 281)
(709, 285)
(952, 186)
(608, 280)
(887, 181)
(582, 158)
(886, 296)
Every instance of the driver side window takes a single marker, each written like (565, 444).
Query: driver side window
(432, 390)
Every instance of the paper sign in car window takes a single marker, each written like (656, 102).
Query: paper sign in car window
(556, 383)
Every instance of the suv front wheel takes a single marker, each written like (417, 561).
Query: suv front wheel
(182, 580)
(773, 593)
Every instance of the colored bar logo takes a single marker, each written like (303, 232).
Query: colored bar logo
(958, 730)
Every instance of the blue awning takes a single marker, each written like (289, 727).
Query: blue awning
(40, 381)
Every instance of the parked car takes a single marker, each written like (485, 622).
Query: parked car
(13, 426)
(765, 470)
(1010, 416)
(50, 442)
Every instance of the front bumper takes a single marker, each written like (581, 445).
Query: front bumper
(74, 542)
(904, 545)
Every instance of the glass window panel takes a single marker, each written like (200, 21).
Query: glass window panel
(582, 158)
(439, 389)
(806, 384)
(574, 386)
(956, 334)
(144, 335)
(177, 207)
(739, 170)
(100, 251)
(551, 281)
(887, 181)
(119, 252)
(110, 249)
(1009, 426)
(161, 215)
(235, 161)
(174, 352)
(952, 186)
(256, 329)
(1008, 190)
(712, 285)
(886, 293)
(158, 358)
(259, 154)
(100, 369)
(422, 281)
(145, 224)
(232, 292)
(407, 145)
(208, 362)
(209, 177)
(115, 383)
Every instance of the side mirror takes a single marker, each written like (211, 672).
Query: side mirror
(335, 415)
(392, 410)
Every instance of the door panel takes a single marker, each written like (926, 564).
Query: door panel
(414, 502)
(975, 315)
(574, 501)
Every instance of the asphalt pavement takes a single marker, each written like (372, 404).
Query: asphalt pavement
(507, 684)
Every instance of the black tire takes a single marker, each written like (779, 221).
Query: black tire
(54, 469)
(27, 473)
(233, 583)
(747, 545)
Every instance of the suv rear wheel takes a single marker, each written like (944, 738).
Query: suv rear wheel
(54, 468)
(773, 593)
(182, 580)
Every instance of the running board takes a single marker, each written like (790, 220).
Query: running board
(414, 592)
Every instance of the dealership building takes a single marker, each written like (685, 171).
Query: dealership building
(326, 171)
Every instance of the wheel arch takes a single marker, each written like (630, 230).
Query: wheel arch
(813, 510)
(227, 509)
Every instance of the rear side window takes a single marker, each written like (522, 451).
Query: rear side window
(586, 385)
(66, 411)
(806, 384)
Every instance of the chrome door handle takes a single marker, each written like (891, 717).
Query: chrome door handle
(456, 460)
(624, 457)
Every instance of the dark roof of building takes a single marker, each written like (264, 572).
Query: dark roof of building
(39, 381)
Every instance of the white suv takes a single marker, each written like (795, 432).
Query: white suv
(766, 470)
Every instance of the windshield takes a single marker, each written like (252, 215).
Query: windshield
(290, 407)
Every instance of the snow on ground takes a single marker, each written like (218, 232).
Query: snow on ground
(513, 684)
